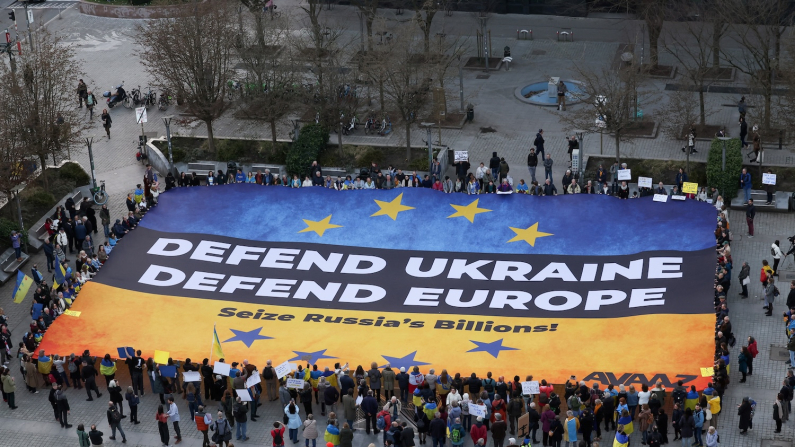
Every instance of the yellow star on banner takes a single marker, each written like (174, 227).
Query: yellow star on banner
(529, 235)
(469, 211)
(392, 208)
(320, 226)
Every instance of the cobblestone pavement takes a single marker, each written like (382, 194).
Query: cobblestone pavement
(109, 58)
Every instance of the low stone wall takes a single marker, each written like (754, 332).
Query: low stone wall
(130, 11)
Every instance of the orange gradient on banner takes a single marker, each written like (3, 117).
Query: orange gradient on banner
(549, 349)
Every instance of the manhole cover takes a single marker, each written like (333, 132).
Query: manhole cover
(775, 443)
(483, 76)
(490, 130)
(538, 52)
(779, 353)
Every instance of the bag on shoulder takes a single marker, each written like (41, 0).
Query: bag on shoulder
(455, 436)
(268, 373)
(772, 251)
(380, 423)
(277, 437)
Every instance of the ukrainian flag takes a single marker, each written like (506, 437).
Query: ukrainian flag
(621, 440)
(23, 285)
(107, 367)
(44, 364)
(691, 400)
(60, 273)
(629, 426)
(217, 352)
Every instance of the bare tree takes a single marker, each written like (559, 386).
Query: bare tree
(191, 55)
(610, 97)
(424, 12)
(369, 10)
(679, 113)
(40, 111)
(759, 38)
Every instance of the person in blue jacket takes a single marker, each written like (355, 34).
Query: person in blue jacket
(745, 184)
(681, 178)
(240, 177)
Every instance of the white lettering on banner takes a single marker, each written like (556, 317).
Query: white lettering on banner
(160, 246)
(351, 293)
(210, 251)
(460, 268)
(510, 269)
(413, 268)
(279, 258)
(453, 298)
(514, 299)
(352, 265)
(544, 301)
(658, 268)
(599, 298)
(151, 275)
(312, 257)
(419, 296)
(323, 294)
(555, 270)
(276, 288)
(647, 297)
(244, 253)
(206, 281)
(634, 271)
(240, 282)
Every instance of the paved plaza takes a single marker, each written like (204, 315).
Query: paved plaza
(109, 57)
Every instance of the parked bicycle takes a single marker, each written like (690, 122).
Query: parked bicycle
(165, 100)
(100, 195)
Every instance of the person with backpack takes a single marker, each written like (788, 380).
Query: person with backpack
(698, 419)
(457, 433)
(240, 412)
(114, 420)
(383, 422)
(203, 422)
(277, 434)
(271, 381)
(489, 385)
(515, 407)
(573, 402)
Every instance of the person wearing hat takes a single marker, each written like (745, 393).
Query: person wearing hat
(403, 383)
(479, 432)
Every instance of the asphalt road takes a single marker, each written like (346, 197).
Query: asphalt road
(42, 13)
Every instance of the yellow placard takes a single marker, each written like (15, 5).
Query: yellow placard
(690, 188)
(709, 371)
(73, 313)
(161, 357)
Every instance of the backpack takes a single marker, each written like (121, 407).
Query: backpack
(380, 422)
(488, 385)
(268, 373)
(115, 415)
(465, 406)
(455, 436)
(679, 396)
(277, 437)
(772, 251)
(776, 293)
(72, 367)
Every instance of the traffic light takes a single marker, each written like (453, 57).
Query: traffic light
(12, 16)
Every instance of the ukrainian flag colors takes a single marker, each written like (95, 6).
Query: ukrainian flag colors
(23, 285)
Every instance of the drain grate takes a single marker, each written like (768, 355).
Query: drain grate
(483, 76)
(779, 353)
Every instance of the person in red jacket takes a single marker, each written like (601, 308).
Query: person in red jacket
(479, 431)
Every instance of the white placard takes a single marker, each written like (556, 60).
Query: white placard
(221, 368)
(253, 379)
(709, 201)
(768, 179)
(661, 198)
(244, 395)
(30, 16)
(625, 174)
(191, 376)
(461, 155)
(295, 383)
(531, 387)
(678, 197)
(359, 400)
(644, 182)
(140, 115)
(283, 369)
(477, 410)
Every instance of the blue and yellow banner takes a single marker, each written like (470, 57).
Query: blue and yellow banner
(21, 288)
(413, 276)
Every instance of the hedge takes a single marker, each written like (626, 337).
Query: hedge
(309, 147)
(727, 182)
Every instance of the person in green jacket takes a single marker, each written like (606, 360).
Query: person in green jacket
(389, 382)
(82, 436)
(9, 387)
(346, 436)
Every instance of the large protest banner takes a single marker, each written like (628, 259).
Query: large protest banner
(515, 284)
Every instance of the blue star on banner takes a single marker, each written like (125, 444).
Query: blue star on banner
(247, 337)
(403, 362)
(492, 348)
(317, 355)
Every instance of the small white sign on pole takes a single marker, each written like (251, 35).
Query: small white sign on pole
(661, 198)
(140, 115)
(30, 16)
(644, 182)
(768, 179)
(625, 174)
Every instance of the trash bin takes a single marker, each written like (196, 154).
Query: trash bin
(506, 52)
(470, 112)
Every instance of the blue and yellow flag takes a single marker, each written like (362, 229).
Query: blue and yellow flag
(217, 352)
(23, 285)
(60, 273)
(621, 440)
(107, 367)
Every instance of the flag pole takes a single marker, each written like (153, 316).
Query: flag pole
(212, 345)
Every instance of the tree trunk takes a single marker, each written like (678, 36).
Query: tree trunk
(381, 94)
(768, 96)
(426, 31)
(210, 138)
(408, 141)
(687, 159)
(618, 151)
(369, 24)
(655, 28)
(43, 161)
(702, 111)
(273, 131)
(339, 134)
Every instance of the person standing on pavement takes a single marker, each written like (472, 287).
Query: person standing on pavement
(162, 424)
(9, 388)
(438, 431)
(114, 421)
(548, 168)
(132, 401)
(91, 101)
(370, 408)
(539, 144)
(494, 165)
(203, 422)
(106, 121)
(745, 184)
(62, 407)
(240, 412)
(532, 164)
(89, 375)
(82, 92)
(743, 133)
(775, 250)
(750, 213)
(82, 436)
(745, 272)
(271, 381)
(173, 414)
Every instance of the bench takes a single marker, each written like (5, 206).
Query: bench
(335, 172)
(200, 169)
(9, 264)
(780, 201)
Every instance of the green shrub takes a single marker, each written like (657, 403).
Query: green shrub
(75, 173)
(273, 153)
(39, 198)
(419, 164)
(5, 232)
(344, 157)
(177, 153)
(235, 150)
(310, 146)
(369, 155)
(727, 182)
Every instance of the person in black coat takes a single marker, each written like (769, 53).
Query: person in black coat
(608, 408)
(63, 408)
(89, 375)
(744, 411)
(53, 401)
(406, 436)
(586, 425)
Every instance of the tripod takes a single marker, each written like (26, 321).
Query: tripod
(789, 252)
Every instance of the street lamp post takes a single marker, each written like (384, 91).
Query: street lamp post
(167, 122)
(89, 143)
(580, 133)
(723, 166)
(429, 128)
